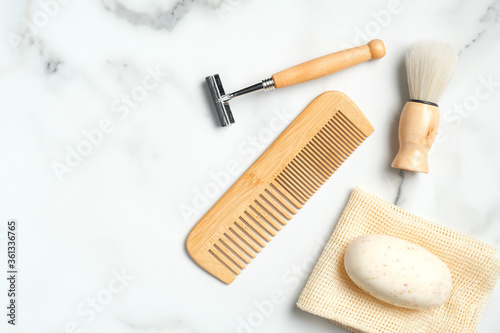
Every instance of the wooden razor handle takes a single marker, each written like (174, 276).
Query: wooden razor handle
(329, 64)
(418, 128)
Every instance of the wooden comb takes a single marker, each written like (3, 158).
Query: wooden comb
(278, 183)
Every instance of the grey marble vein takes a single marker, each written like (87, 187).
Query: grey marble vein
(491, 16)
(398, 195)
(163, 20)
(52, 65)
(475, 39)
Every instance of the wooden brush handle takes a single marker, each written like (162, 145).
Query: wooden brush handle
(329, 64)
(418, 127)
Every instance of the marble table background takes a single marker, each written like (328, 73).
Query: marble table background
(109, 150)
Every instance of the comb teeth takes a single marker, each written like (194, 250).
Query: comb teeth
(277, 195)
(319, 159)
(292, 188)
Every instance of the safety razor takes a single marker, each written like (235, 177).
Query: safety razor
(303, 72)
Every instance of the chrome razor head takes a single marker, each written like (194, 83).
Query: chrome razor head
(217, 92)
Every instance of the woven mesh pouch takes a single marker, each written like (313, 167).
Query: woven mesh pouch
(331, 294)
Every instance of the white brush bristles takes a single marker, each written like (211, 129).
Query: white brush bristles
(430, 66)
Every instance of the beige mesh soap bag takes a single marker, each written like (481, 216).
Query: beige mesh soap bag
(331, 294)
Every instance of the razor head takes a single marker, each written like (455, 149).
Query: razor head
(222, 108)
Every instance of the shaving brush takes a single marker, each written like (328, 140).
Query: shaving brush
(429, 67)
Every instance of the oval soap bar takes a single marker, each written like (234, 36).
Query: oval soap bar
(398, 272)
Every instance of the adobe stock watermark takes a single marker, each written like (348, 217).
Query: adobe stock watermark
(466, 108)
(94, 137)
(38, 20)
(290, 280)
(372, 29)
(93, 305)
(249, 149)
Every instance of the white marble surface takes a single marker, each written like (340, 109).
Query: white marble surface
(118, 209)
